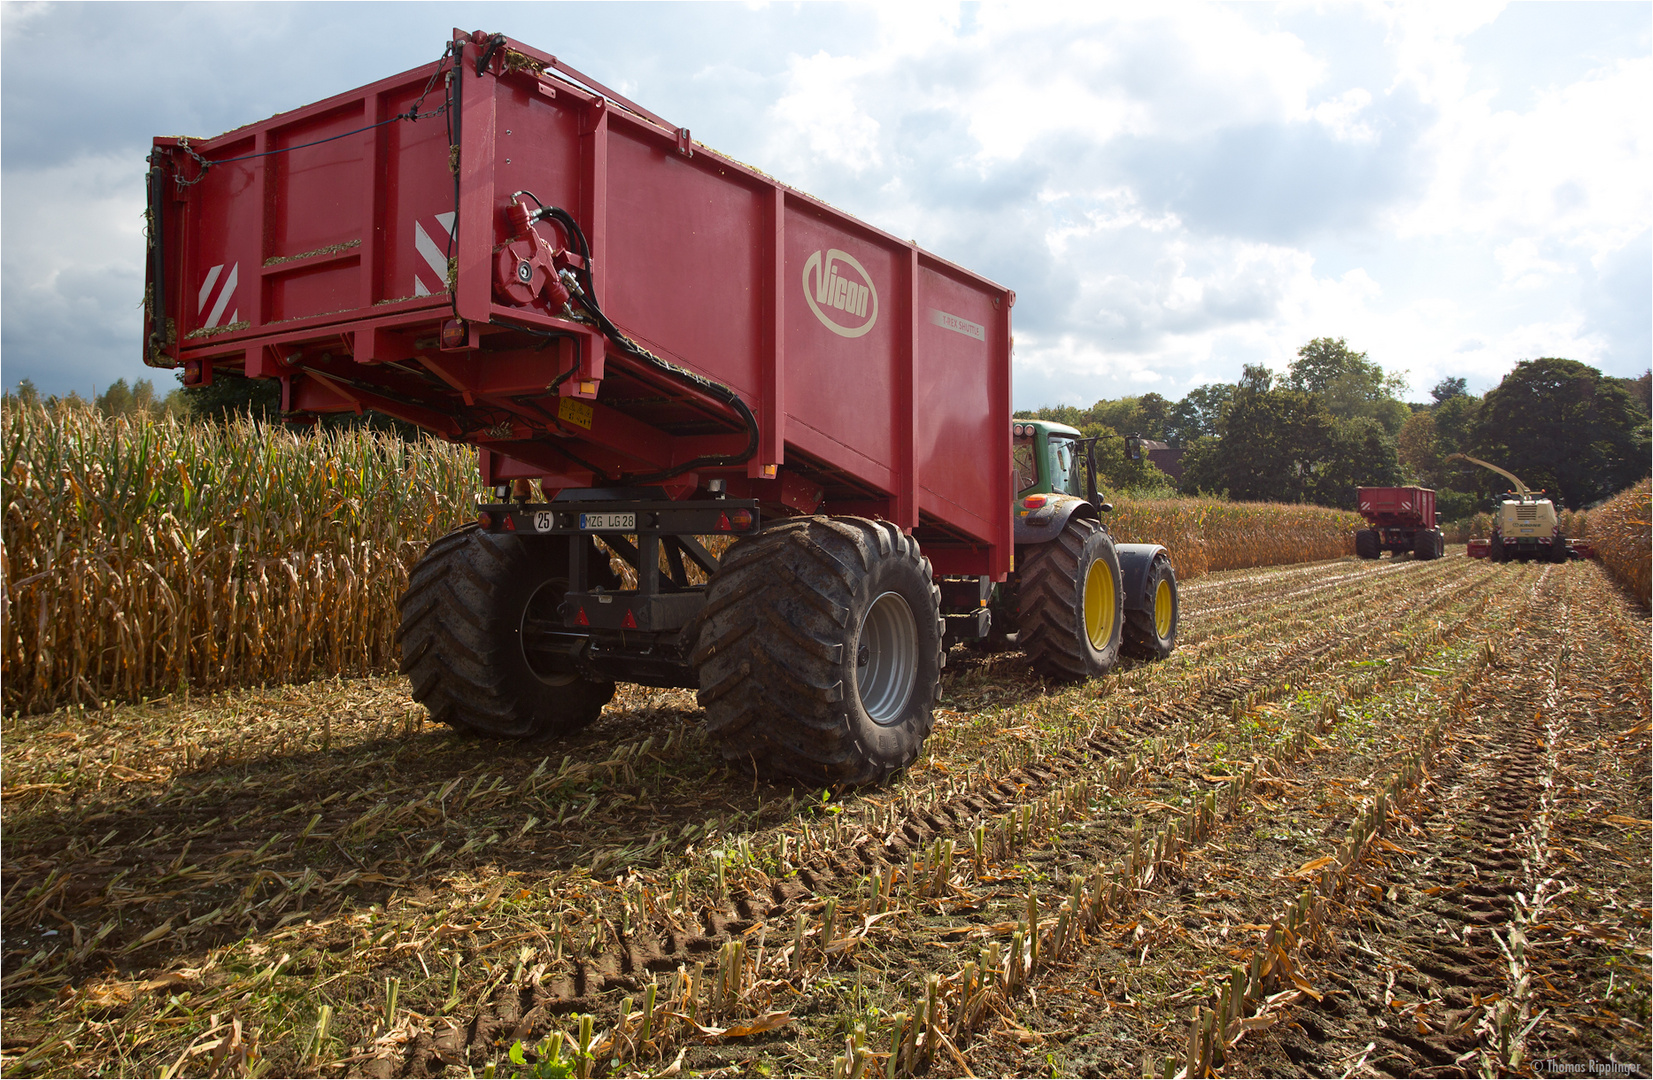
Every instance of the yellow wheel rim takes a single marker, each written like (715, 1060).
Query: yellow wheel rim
(1099, 605)
(1164, 607)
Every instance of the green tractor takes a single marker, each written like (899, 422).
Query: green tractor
(1075, 599)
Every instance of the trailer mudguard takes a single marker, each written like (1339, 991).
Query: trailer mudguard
(1134, 561)
(1046, 523)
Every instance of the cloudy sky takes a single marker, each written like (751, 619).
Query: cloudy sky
(1172, 190)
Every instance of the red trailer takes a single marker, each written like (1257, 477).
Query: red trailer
(669, 344)
(1402, 519)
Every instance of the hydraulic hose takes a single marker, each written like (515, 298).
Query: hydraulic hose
(585, 292)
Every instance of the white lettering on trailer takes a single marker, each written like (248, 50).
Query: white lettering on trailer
(435, 254)
(957, 325)
(827, 290)
(225, 295)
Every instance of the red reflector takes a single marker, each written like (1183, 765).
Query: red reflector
(723, 523)
(510, 523)
(1033, 502)
(628, 622)
(580, 619)
(740, 519)
(485, 519)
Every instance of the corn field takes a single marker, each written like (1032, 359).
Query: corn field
(142, 555)
(1623, 539)
(1204, 535)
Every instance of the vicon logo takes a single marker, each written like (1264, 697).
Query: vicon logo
(831, 289)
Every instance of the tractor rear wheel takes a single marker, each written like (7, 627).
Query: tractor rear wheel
(1367, 544)
(478, 636)
(1152, 634)
(820, 651)
(1071, 606)
(1495, 550)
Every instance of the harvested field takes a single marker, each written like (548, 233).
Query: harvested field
(1370, 819)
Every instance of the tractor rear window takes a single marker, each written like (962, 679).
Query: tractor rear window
(1022, 464)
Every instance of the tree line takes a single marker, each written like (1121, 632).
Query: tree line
(1335, 421)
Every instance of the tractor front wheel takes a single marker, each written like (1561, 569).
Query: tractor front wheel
(1152, 634)
(1070, 605)
(820, 651)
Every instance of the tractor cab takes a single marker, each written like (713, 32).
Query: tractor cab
(1047, 459)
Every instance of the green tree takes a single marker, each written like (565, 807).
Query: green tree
(27, 393)
(1449, 388)
(1198, 413)
(1272, 443)
(1255, 378)
(1560, 425)
(1359, 453)
(1152, 412)
(1420, 450)
(232, 395)
(1349, 383)
(122, 400)
(1455, 420)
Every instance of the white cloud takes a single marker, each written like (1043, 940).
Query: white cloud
(1172, 191)
(1523, 266)
(820, 111)
(1342, 116)
(73, 271)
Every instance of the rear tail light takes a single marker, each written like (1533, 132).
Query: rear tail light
(485, 520)
(734, 521)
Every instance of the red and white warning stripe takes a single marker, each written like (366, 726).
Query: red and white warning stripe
(224, 293)
(430, 239)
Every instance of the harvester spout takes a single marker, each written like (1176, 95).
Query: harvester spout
(1524, 491)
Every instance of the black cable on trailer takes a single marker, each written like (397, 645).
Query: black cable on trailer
(412, 114)
(586, 293)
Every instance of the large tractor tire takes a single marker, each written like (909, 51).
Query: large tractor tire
(1070, 605)
(820, 651)
(1427, 544)
(1152, 634)
(1367, 544)
(475, 606)
(1495, 550)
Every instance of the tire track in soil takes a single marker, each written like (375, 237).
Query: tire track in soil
(1590, 862)
(1211, 865)
(655, 948)
(1408, 985)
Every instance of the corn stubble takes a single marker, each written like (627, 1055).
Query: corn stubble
(1152, 873)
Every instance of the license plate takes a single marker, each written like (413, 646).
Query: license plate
(608, 522)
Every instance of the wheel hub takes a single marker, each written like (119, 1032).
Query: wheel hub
(541, 620)
(886, 658)
(1163, 607)
(1099, 605)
